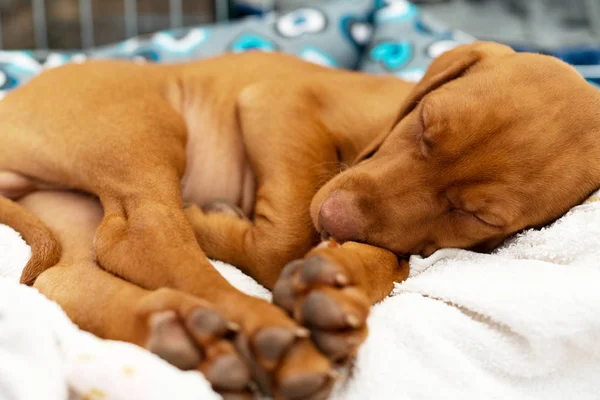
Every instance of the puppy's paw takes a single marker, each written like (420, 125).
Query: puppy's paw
(320, 294)
(224, 207)
(188, 333)
(284, 361)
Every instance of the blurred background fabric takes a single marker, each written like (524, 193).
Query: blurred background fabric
(379, 38)
(546, 24)
(568, 29)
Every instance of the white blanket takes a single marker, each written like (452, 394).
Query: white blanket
(522, 323)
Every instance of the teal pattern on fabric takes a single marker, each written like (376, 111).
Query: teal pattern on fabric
(249, 41)
(392, 55)
(336, 34)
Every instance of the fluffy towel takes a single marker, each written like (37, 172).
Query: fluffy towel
(521, 323)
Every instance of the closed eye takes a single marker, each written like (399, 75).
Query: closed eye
(486, 222)
(461, 212)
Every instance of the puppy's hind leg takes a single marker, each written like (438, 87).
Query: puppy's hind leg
(182, 329)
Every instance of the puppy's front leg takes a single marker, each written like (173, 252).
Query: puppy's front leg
(330, 291)
(291, 154)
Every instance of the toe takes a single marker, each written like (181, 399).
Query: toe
(271, 343)
(291, 268)
(224, 367)
(329, 308)
(228, 373)
(261, 378)
(284, 294)
(285, 290)
(305, 374)
(169, 341)
(339, 346)
(319, 271)
(205, 324)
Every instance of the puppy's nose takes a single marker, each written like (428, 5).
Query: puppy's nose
(339, 217)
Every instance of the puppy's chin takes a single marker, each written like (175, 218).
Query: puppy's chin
(489, 245)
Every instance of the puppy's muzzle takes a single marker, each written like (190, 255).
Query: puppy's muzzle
(339, 217)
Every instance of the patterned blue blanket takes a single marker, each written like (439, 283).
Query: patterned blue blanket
(376, 36)
(380, 36)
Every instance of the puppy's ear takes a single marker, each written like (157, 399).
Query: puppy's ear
(447, 67)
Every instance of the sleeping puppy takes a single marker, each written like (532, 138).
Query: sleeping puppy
(488, 144)
(219, 159)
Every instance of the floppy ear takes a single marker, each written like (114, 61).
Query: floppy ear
(447, 67)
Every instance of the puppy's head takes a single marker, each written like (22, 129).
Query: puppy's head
(490, 142)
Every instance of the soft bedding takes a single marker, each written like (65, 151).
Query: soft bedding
(521, 323)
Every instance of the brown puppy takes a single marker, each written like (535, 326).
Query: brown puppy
(488, 143)
(509, 145)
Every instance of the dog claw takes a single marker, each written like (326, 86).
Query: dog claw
(233, 327)
(341, 280)
(302, 333)
(353, 321)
